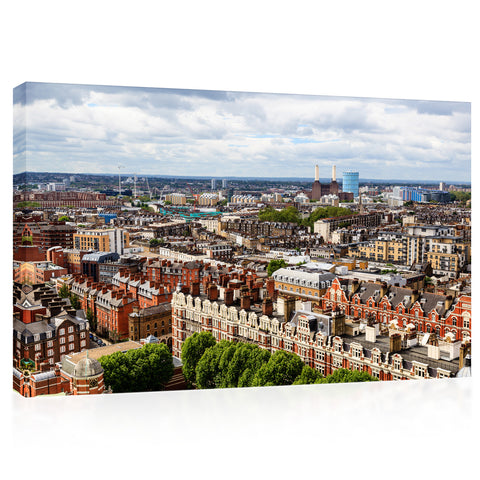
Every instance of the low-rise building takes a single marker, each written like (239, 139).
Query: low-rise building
(155, 320)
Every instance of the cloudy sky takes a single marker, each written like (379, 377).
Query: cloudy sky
(93, 129)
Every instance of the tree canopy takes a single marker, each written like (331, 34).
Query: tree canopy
(282, 368)
(292, 215)
(308, 375)
(462, 197)
(275, 265)
(343, 375)
(145, 369)
(228, 364)
(192, 350)
(64, 291)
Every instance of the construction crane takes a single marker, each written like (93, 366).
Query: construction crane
(148, 188)
(161, 193)
(119, 187)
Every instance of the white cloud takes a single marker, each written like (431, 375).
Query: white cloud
(92, 129)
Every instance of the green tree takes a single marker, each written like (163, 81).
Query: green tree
(275, 265)
(64, 218)
(145, 369)
(154, 242)
(211, 368)
(27, 204)
(246, 360)
(281, 369)
(462, 197)
(64, 291)
(307, 376)
(192, 350)
(74, 302)
(289, 214)
(343, 375)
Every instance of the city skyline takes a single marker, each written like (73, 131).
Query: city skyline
(150, 131)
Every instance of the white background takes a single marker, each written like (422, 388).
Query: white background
(414, 50)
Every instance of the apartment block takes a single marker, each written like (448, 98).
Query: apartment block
(325, 342)
(107, 240)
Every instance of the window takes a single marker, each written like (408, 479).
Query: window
(71, 346)
(61, 331)
(70, 338)
(37, 347)
(320, 356)
(83, 343)
(357, 352)
(397, 363)
(419, 371)
(337, 362)
(62, 340)
(62, 349)
(70, 329)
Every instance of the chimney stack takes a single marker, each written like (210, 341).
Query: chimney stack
(395, 342)
(334, 173)
(338, 323)
(267, 306)
(228, 297)
(317, 175)
(271, 287)
(212, 292)
(245, 302)
(448, 302)
(195, 289)
(289, 307)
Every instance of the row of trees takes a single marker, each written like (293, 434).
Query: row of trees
(226, 364)
(292, 215)
(142, 370)
(462, 197)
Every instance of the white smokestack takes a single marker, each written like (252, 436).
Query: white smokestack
(334, 174)
(317, 175)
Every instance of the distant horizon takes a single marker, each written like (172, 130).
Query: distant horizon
(207, 177)
(211, 133)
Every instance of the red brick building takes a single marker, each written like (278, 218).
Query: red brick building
(82, 378)
(43, 234)
(44, 328)
(60, 199)
(387, 304)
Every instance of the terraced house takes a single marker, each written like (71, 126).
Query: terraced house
(325, 341)
(388, 304)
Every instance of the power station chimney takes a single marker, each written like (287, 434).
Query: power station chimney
(317, 174)
(334, 174)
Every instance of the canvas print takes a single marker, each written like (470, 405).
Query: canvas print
(170, 239)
